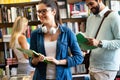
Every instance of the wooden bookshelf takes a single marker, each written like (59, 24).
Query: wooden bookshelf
(74, 20)
(5, 25)
(73, 1)
(35, 22)
(20, 4)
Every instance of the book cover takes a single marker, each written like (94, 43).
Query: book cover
(2, 57)
(4, 14)
(0, 15)
(82, 41)
(30, 13)
(30, 52)
(13, 13)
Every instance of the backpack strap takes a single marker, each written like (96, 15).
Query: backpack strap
(105, 15)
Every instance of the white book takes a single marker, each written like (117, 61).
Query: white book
(37, 10)
(11, 54)
(115, 5)
(13, 13)
(68, 10)
(63, 13)
(69, 24)
(76, 27)
(6, 38)
(73, 70)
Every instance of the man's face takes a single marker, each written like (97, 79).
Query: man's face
(93, 6)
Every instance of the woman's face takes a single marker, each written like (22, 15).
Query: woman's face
(25, 27)
(45, 14)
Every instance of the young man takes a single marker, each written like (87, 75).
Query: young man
(104, 60)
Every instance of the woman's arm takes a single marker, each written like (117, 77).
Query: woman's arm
(23, 43)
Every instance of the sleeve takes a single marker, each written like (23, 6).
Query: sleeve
(115, 31)
(33, 45)
(77, 57)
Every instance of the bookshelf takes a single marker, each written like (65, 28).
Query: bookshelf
(113, 4)
(76, 24)
(7, 23)
(2, 55)
(4, 25)
(13, 1)
(74, 20)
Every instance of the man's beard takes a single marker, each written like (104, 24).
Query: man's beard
(95, 10)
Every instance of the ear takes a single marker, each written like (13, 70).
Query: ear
(54, 11)
(99, 1)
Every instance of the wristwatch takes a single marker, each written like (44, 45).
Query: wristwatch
(100, 44)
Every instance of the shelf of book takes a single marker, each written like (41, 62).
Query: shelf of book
(23, 8)
(5, 25)
(74, 20)
(20, 4)
(73, 1)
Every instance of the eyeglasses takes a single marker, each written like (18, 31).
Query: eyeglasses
(43, 11)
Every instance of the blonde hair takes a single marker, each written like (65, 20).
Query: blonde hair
(17, 29)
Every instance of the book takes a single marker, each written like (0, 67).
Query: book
(2, 57)
(13, 13)
(83, 42)
(78, 10)
(30, 52)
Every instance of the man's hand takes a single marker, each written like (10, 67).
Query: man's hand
(93, 42)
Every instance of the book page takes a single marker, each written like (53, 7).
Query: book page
(82, 41)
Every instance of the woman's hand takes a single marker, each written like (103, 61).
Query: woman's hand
(52, 60)
(37, 59)
(41, 58)
(55, 61)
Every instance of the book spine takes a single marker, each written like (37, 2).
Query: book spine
(13, 13)
(0, 15)
(4, 14)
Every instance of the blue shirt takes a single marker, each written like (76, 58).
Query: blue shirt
(66, 39)
(107, 57)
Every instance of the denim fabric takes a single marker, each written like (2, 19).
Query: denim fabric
(66, 39)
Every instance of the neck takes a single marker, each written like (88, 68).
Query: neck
(102, 6)
(49, 26)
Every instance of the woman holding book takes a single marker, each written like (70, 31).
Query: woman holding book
(18, 40)
(53, 40)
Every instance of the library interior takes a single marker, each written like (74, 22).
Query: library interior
(74, 15)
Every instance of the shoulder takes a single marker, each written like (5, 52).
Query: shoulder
(114, 17)
(35, 32)
(65, 28)
(114, 14)
(21, 38)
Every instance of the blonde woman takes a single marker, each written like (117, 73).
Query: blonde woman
(18, 40)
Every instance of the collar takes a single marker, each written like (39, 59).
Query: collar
(101, 14)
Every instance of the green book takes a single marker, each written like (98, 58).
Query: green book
(30, 52)
(82, 41)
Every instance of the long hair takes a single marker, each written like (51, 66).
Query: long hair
(17, 29)
(54, 5)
